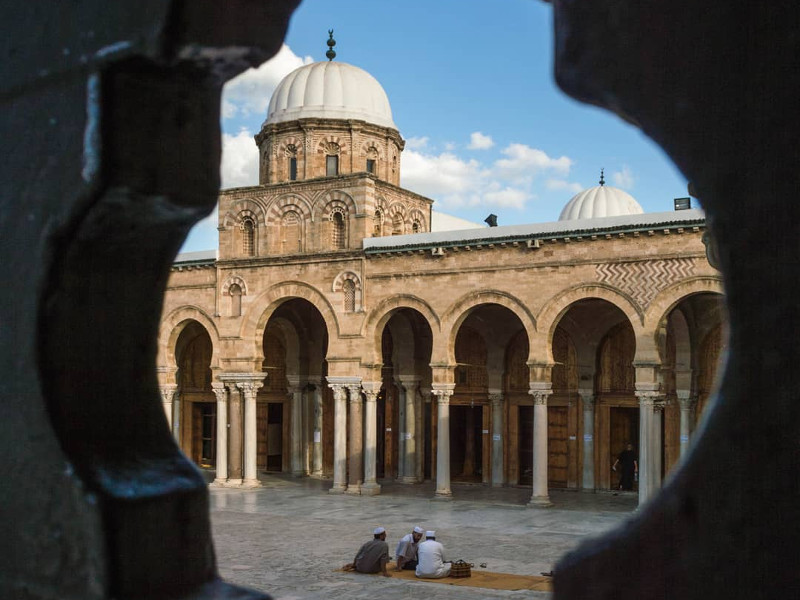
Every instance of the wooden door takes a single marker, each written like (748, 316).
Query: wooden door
(557, 446)
(274, 436)
(624, 428)
(197, 431)
(525, 437)
(261, 435)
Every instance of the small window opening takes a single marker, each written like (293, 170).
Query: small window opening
(236, 300)
(332, 166)
(415, 228)
(397, 225)
(349, 289)
(293, 169)
(337, 234)
(248, 238)
(377, 224)
(371, 165)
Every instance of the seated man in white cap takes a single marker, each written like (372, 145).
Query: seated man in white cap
(372, 556)
(431, 563)
(407, 550)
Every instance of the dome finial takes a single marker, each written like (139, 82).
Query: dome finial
(331, 53)
(602, 179)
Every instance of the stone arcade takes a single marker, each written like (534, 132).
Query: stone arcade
(336, 335)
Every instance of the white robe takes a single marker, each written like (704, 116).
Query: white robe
(431, 561)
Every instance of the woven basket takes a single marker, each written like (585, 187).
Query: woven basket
(459, 568)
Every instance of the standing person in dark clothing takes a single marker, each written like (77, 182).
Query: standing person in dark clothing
(629, 467)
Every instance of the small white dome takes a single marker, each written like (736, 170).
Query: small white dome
(330, 90)
(600, 201)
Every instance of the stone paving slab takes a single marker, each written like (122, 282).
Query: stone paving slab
(289, 536)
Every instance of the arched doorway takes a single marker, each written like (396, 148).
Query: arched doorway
(695, 338)
(404, 413)
(195, 421)
(490, 398)
(294, 408)
(594, 379)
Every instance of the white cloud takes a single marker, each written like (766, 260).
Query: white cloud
(478, 141)
(449, 146)
(524, 161)
(624, 178)
(507, 197)
(239, 160)
(559, 185)
(250, 92)
(416, 143)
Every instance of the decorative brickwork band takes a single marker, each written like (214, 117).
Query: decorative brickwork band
(644, 280)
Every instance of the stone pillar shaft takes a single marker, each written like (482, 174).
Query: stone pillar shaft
(401, 434)
(648, 445)
(167, 398)
(587, 397)
(297, 431)
(249, 390)
(409, 428)
(443, 442)
(686, 404)
(235, 435)
(222, 433)
(339, 439)
(316, 466)
(356, 441)
(370, 486)
(540, 496)
(498, 476)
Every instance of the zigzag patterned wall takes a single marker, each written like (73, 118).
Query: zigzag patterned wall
(643, 280)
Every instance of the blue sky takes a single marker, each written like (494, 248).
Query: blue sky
(472, 92)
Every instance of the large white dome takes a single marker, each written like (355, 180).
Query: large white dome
(600, 201)
(330, 90)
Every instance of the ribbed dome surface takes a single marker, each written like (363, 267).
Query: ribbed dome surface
(330, 90)
(600, 201)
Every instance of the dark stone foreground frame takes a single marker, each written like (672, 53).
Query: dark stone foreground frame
(716, 84)
(111, 131)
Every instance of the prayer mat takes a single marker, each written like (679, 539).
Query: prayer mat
(481, 579)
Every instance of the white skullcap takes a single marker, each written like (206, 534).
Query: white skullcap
(418, 530)
(379, 530)
(430, 534)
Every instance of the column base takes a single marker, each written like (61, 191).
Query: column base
(298, 473)
(234, 483)
(540, 502)
(337, 489)
(439, 495)
(370, 489)
(251, 483)
(218, 483)
(354, 489)
(408, 479)
(498, 485)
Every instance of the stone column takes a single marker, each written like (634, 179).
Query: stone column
(646, 475)
(687, 404)
(540, 496)
(222, 433)
(443, 393)
(296, 441)
(498, 475)
(316, 461)
(167, 394)
(422, 400)
(370, 486)
(587, 397)
(339, 439)
(401, 431)
(409, 387)
(234, 434)
(249, 390)
(176, 417)
(656, 445)
(355, 478)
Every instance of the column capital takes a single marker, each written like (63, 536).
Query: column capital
(649, 397)
(587, 397)
(168, 391)
(339, 391)
(355, 393)
(443, 391)
(371, 386)
(540, 390)
(249, 388)
(409, 382)
(687, 403)
(496, 399)
(220, 392)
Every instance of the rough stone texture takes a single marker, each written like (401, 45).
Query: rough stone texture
(716, 85)
(111, 126)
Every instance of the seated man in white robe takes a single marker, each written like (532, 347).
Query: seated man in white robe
(407, 550)
(431, 563)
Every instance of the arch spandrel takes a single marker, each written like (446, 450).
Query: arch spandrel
(373, 326)
(255, 320)
(286, 203)
(330, 199)
(444, 352)
(670, 297)
(252, 207)
(171, 327)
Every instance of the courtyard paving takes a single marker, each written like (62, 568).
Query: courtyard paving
(288, 537)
